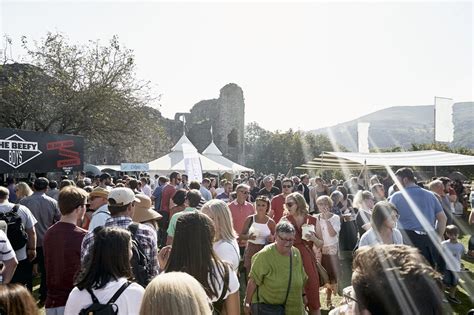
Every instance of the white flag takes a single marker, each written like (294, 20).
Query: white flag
(192, 163)
(363, 137)
(444, 127)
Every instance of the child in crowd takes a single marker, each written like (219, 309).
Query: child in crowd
(453, 251)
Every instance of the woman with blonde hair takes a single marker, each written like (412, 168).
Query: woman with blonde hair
(305, 239)
(364, 201)
(329, 227)
(225, 238)
(22, 190)
(175, 293)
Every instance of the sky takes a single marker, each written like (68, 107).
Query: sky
(304, 65)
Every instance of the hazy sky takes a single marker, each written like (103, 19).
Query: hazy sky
(303, 66)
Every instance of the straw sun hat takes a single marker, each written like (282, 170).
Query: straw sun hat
(144, 211)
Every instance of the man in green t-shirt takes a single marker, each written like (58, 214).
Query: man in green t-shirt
(193, 197)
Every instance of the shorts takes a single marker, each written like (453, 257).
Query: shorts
(450, 278)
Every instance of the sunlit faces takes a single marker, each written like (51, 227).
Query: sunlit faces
(291, 205)
(284, 241)
(323, 206)
(95, 202)
(242, 192)
(262, 206)
(391, 221)
(287, 186)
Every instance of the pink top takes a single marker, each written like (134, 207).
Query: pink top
(239, 214)
(167, 194)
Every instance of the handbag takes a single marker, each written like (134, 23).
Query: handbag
(272, 309)
(322, 272)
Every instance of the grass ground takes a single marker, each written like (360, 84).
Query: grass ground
(465, 290)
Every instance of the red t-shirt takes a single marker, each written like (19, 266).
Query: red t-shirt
(62, 259)
(277, 207)
(167, 193)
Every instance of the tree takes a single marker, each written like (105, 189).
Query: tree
(88, 90)
(280, 152)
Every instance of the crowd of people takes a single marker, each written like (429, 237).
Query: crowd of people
(170, 245)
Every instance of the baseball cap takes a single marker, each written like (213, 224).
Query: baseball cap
(122, 196)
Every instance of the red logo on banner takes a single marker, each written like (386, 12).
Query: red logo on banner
(73, 157)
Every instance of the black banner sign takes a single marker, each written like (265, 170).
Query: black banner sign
(30, 151)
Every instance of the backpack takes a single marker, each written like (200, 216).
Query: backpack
(110, 308)
(15, 230)
(139, 261)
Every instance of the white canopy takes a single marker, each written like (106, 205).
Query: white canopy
(174, 161)
(212, 152)
(374, 160)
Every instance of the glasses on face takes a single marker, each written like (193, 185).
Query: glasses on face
(290, 240)
(290, 204)
(286, 186)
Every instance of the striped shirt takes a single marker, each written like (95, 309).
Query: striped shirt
(6, 250)
(146, 236)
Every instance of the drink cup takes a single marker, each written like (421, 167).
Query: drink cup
(306, 228)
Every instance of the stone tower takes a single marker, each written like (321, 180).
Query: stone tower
(226, 116)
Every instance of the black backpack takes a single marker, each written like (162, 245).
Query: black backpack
(15, 230)
(139, 261)
(96, 308)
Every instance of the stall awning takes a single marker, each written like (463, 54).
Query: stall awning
(356, 160)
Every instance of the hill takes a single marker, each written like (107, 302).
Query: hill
(404, 125)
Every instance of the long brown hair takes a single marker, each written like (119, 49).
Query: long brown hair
(107, 260)
(15, 299)
(192, 251)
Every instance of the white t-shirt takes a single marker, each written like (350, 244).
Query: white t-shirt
(453, 252)
(369, 238)
(336, 224)
(6, 250)
(128, 303)
(28, 221)
(233, 283)
(99, 217)
(228, 251)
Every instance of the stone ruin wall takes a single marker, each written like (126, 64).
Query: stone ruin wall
(225, 115)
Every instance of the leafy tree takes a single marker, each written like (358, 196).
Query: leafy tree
(280, 152)
(88, 90)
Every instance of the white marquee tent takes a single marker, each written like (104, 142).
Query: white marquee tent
(212, 152)
(352, 160)
(174, 161)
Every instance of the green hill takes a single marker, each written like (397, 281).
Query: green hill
(404, 125)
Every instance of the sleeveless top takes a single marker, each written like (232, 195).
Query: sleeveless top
(261, 230)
